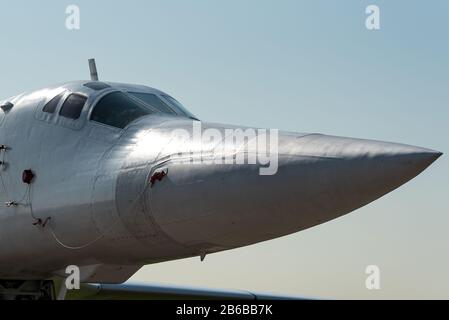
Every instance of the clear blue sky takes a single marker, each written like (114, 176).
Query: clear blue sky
(307, 66)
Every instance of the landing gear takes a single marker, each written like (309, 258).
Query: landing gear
(27, 290)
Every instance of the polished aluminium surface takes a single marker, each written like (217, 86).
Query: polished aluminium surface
(99, 211)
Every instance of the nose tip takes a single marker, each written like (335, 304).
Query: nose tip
(358, 171)
(377, 154)
(436, 154)
(417, 158)
(392, 161)
(411, 160)
(424, 157)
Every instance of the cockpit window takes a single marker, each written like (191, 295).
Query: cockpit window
(154, 101)
(51, 106)
(73, 106)
(118, 110)
(178, 106)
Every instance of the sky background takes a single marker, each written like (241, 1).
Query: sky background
(306, 66)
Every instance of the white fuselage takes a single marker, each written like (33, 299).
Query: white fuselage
(98, 209)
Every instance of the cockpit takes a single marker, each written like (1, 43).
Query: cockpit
(118, 109)
(115, 106)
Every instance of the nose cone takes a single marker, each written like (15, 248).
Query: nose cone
(212, 207)
(350, 173)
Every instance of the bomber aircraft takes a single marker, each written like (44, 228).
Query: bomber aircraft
(107, 177)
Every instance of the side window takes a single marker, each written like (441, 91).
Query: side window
(153, 101)
(178, 106)
(51, 106)
(118, 110)
(73, 106)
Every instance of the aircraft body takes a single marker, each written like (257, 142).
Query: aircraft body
(92, 176)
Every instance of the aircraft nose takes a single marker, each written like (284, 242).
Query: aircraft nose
(319, 178)
(351, 173)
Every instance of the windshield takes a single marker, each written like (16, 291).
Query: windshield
(178, 106)
(154, 101)
(118, 110)
(162, 103)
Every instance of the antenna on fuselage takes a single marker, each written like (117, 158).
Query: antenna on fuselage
(93, 70)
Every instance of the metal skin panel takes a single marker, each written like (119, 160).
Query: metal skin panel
(93, 181)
